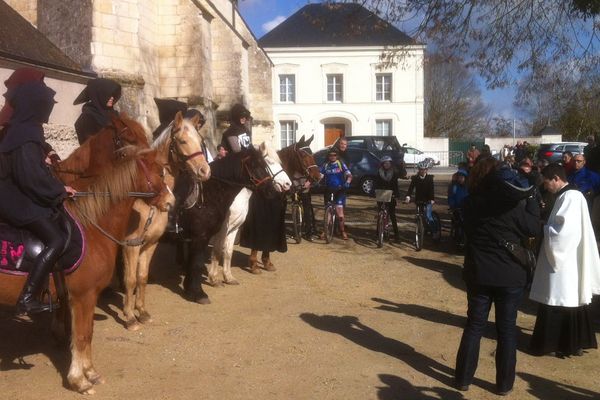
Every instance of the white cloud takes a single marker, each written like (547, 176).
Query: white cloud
(267, 26)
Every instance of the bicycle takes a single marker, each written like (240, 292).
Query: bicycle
(435, 229)
(384, 197)
(330, 217)
(297, 213)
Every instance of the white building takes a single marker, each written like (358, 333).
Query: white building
(328, 79)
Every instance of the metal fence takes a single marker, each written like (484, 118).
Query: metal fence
(447, 158)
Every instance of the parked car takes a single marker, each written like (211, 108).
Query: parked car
(414, 156)
(363, 165)
(379, 146)
(553, 151)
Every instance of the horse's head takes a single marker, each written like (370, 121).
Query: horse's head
(281, 180)
(126, 131)
(110, 143)
(185, 145)
(298, 162)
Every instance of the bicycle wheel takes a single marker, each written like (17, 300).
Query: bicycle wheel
(436, 229)
(329, 223)
(297, 222)
(380, 228)
(419, 233)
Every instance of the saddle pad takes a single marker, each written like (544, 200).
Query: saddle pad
(19, 248)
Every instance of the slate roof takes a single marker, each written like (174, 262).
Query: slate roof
(334, 25)
(21, 41)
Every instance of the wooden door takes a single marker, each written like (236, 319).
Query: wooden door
(332, 132)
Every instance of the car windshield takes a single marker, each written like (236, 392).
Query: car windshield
(385, 144)
(356, 144)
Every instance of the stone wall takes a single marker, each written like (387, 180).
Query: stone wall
(27, 9)
(73, 38)
(198, 51)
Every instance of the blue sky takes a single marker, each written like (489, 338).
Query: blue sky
(263, 15)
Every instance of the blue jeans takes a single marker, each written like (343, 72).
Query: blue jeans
(428, 209)
(480, 299)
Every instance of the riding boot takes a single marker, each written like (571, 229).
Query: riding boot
(253, 262)
(342, 229)
(29, 302)
(266, 260)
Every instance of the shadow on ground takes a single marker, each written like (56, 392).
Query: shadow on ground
(353, 330)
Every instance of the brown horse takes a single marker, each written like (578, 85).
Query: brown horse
(134, 172)
(179, 147)
(97, 152)
(297, 163)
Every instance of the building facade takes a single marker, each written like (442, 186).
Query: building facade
(328, 81)
(198, 51)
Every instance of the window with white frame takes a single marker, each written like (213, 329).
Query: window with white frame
(383, 127)
(287, 88)
(335, 90)
(288, 133)
(383, 87)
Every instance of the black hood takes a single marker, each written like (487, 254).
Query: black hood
(95, 96)
(238, 111)
(168, 108)
(32, 103)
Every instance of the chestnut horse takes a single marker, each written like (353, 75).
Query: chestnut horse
(179, 147)
(136, 171)
(297, 163)
(254, 169)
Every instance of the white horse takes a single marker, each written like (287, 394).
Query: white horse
(224, 240)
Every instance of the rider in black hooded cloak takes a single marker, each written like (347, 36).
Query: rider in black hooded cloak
(100, 95)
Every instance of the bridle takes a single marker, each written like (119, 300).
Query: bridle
(297, 152)
(175, 153)
(257, 181)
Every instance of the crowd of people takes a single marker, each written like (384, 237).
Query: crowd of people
(529, 230)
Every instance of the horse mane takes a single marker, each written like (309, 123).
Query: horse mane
(165, 135)
(116, 180)
(268, 151)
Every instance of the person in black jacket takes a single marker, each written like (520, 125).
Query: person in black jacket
(100, 95)
(31, 195)
(500, 207)
(238, 136)
(387, 179)
(167, 109)
(422, 184)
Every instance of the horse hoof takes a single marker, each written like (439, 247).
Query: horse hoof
(132, 325)
(202, 300)
(96, 379)
(216, 284)
(89, 392)
(232, 282)
(145, 318)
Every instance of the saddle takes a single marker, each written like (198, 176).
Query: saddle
(19, 248)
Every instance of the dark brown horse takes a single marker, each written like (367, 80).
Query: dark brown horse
(134, 170)
(248, 170)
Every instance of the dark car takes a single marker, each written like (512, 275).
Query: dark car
(363, 165)
(379, 146)
(553, 151)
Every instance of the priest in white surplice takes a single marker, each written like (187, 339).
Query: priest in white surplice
(567, 273)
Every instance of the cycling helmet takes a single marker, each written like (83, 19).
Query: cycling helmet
(423, 165)
(386, 158)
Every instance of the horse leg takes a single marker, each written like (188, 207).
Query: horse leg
(131, 259)
(193, 279)
(82, 375)
(142, 280)
(227, 254)
(213, 267)
(253, 262)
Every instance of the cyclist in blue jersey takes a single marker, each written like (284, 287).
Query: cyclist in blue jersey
(337, 179)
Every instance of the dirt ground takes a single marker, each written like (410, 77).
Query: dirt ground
(340, 321)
